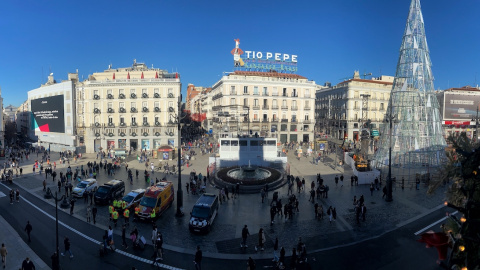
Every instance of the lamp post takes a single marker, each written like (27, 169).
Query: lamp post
(56, 221)
(390, 118)
(179, 212)
(475, 139)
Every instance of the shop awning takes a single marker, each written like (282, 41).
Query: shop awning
(165, 148)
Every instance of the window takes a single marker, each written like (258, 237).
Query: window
(265, 102)
(109, 105)
(293, 127)
(284, 103)
(255, 117)
(381, 106)
(265, 91)
(144, 91)
(122, 104)
(110, 120)
(133, 105)
(109, 91)
(255, 102)
(255, 90)
(232, 101)
(122, 120)
(307, 104)
(95, 92)
(134, 119)
(306, 117)
(132, 91)
(274, 103)
(157, 104)
(170, 91)
(355, 117)
(95, 105)
(156, 91)
(284, 93)
(170, 104)
(245, 89)
(274, 116)
(156, 119)
(121, 91)
(355, 106)
(294, 118)
(307, 92)
(355, 94)
(294, 104)
(275, 91)
(245, 101)
(144, 104)
(294, 93)
(145, 119)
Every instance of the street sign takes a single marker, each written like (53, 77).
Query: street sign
(375, 133)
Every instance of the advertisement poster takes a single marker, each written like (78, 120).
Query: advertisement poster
(146, 144)
(48, 114)
(111, 144)
(156, 143)
(461, 106)
(165, 155)
(155, 154)
(171, 142)
(122, 143)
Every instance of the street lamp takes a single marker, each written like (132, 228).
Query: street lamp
(179, 212)
(390, 118)
(56, 219)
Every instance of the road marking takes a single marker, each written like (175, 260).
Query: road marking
(95, 241)
(435, 223)
(2, 194)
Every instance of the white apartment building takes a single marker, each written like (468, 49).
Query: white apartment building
(269, 104)
(340, 110)
(128, 108)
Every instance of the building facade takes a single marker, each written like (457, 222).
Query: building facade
(341, 110)
(2, 125)
(268, 104)
(10, 111)
(52, 107)
(459, 109)
(128, 108)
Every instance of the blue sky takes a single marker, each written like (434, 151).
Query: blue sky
(331, 38)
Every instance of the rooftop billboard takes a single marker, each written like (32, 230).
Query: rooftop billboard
(461, 106)
(48, 114)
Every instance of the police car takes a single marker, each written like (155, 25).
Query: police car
(85, 185)
(203, 213)
(133, 197)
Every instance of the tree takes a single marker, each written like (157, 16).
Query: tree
(462, 173)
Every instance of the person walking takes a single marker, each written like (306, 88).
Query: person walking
(66, 242)
(17, 194)
(329, 213)
(261, 240)
(72, 206)
(124, 237)
(3, 253)
(55, 261)
(251, 264)
(371, 189)
(94, 214)
(29, 229)
(44, 185)
(262, 193)
(89, 214)
(281, 261)
(27, 264)
(245, 234)
(275, 249)
(198, 259)
(12, 196)
(273, 211)
(154, 234)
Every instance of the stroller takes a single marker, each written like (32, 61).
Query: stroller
(138, 242)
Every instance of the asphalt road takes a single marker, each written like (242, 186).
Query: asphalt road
(397, 249)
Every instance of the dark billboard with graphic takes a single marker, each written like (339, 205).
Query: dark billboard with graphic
(48, 114)
(461, 106)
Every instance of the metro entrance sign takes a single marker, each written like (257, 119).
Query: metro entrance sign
(264, 61)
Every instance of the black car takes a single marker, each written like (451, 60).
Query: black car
(109, 191)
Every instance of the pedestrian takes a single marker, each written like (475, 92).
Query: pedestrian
(66, 242)
(273, 210)
(72, 206)
(245, 234)
(262, 193)
(329, 213)
(261, 240)
(12, 196)
(371, 189)
(89, 213)
(226, 192)
(154, 234)
(17, 195)
(59, 186)
(44, 185)
(124, 238)
(55, 261)
(341, 179)
(275, 249)
(251, 264)
(159, 245)
(364, 211)
(29, 229)
(198, 259)
(417, 183)
(94, 214)
(384, 192)
(334, 214)
(3, 253)
(27, 264)
(293, 261)
(282, 257)
(336, 180)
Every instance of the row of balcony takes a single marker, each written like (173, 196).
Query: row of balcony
(132, 133)
(276, 107)
(133, 110)
(132, 95)
(263, 120)
(234, 93)
(132, 124)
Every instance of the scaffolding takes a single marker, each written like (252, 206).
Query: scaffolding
(417, 141)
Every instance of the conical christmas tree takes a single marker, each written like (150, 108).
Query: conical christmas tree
(416, 138)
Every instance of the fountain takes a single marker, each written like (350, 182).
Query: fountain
(249, 173)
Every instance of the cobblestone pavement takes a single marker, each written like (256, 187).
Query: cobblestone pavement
(225, 235)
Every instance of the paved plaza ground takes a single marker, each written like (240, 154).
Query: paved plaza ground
(224, 239)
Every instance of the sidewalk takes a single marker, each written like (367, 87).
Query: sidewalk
(224, 239)
(17, 249)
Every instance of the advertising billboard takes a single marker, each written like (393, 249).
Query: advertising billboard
(48, 114)
(461, 106)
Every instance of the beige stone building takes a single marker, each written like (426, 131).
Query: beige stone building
(340, 109)
(266, 103)
(128, 108)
